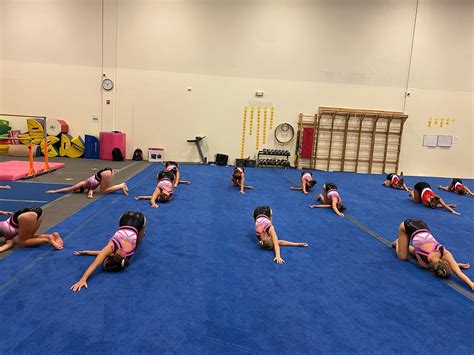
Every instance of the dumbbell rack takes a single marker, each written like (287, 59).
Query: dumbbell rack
(273, 162)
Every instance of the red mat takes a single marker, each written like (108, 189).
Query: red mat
(16, 169)
(307, 144)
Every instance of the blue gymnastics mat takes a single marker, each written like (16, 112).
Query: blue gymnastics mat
(23, 194)
(201, 284)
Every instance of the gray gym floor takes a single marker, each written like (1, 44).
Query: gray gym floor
(74, 171)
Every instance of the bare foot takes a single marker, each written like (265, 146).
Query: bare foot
(56, 241)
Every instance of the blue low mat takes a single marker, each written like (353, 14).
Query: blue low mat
(201, 284)
(24, 194)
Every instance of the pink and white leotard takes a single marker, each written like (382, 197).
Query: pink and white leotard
(92, 183)
(333, 194)
(307, 177)
(8, 229)
(262, 225)
(422, 237)
(125, 238)
(165, 185)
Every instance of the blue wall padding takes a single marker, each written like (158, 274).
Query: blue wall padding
(92, 146)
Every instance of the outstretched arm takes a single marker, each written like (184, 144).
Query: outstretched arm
(5, 212)
(8, 245)
(108, 249)
(68, 189)
(276, 246)
(334, 207)
(5, 187)
(469, 192)
(303, 186)
(448, 207)
(87, 252)
(153, 198)
(177, 179)
(445, 188)
(455, 267)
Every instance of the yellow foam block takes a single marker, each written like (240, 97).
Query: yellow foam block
(77, 148)
(52, 150)
(26, 138)
(35, 127)
(78, 142)
(65, 144)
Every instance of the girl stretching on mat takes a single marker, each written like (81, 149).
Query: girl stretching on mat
(174, 167)
(457, 186)
(6, 187)
(266, 234)
(163, 190)
(307, 182)
(24, 224)
(422, 193)
(238, 178)
(330, 199)
(116, 255)
(429, 253)
(396, 182)
(103, 179)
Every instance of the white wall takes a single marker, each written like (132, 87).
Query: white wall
(441, 86)
(303, 54)
(52, 60)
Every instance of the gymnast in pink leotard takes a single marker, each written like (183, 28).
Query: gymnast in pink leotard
(238, 179)
(307, 182)
(174, 167)
(429, 253)
(330, 198)
(266, 234)
(163, 191)
(118, 252)
(103, 179)
(24, 224)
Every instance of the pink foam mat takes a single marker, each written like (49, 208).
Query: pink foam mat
(16, 169)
